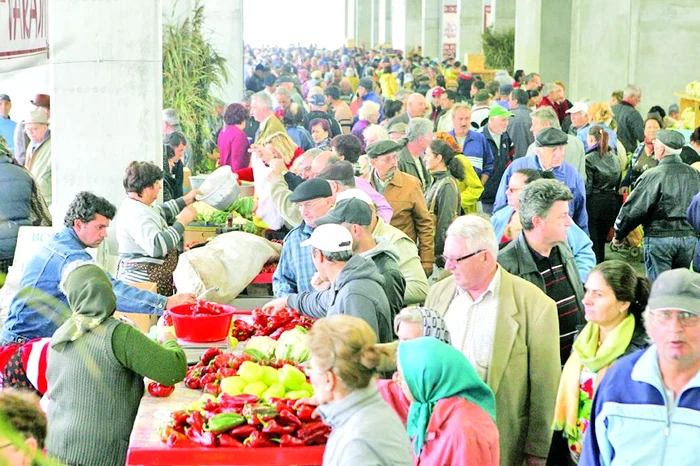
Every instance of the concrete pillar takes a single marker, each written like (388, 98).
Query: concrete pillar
(363, 22)
(430, 27)
(385, 21)
(407, 22)
(224, 24)
(504, 15)
(471, 24)
(106, 95)
(543, 38)
(375, 23)
(350, 20)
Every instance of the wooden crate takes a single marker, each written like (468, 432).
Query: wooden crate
(143, 321)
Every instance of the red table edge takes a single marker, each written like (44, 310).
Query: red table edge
(263, 278)
(226, 456)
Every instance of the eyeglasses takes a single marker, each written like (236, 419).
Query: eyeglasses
(388, 157)
(460, 259)
(685, 318)
(308, 204)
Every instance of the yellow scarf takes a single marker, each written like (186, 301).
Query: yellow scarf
(597, 360)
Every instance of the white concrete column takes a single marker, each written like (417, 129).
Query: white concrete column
(471, 25)
(430, 27)
(223, 23)
(406, 24)
(374, 25)
(504, 14)
(350, 20)
(385, 21)
(106, 94)
(543, 38)
(363, 22)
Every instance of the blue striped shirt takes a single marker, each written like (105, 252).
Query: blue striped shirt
(295, 269)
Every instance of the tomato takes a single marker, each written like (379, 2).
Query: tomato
(159, 390)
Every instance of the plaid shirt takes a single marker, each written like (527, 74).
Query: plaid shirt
(295, 269)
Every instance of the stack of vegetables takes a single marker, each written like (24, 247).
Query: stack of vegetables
(245, 420)
(239, 213)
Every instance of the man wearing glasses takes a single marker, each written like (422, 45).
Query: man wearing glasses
(647, 408)
(507, 328)
(659, 202)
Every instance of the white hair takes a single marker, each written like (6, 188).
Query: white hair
(477, 231)
(548, 88)
(410, 315)
(263, 98)
(631, 91)
(170, 117)
(367, 109)
(376, 133)
(417, 128)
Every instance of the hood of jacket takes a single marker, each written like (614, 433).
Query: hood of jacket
(383, 247)
(358, 268)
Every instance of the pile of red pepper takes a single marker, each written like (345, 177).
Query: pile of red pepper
(269, 268)
(245, 421)
(213, 366)
(269, 324)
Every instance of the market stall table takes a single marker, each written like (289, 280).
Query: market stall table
(147, 448)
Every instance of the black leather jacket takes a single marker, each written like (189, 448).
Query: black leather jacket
(659, 201)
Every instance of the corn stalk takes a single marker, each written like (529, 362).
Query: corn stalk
(191, 68)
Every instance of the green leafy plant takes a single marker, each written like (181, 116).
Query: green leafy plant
(499, 49)
(191, 67)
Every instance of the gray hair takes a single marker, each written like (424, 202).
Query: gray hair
(547, 114)
(530, 77)
(548, 88)
(631, 91)
(431, 322)
(340, 256)
(377, 131)
(538, 197)
(477, 231)
(520, 96)
(368, 108)
(417, 128)
(263, 98)
(170, 117)
(284, 92)
(312, 153)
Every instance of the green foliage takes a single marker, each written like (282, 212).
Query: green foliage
(191, 67)
(499, 50)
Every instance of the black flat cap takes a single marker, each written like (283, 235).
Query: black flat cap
(351, 210)
(338, 171)
(551, 137)
(670, 138)
(314, 188)
(381, 148)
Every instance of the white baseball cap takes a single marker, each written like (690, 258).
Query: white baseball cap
(330, 238)
(578, 107)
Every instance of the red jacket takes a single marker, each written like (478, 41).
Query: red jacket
(246, 174)
(460, 433)
(559, 108)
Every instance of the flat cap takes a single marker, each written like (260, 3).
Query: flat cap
(5, 97)
(677, 289)
(398, 127)
(315, 188)
(350, 210)
(551, 137)
(338, 171)
(381, 148)
(671, 138)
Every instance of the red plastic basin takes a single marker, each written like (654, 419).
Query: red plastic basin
(201, 328)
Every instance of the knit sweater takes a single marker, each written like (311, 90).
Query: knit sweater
(95, 387)
(143, 232)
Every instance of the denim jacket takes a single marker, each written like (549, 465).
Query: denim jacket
(39, 308)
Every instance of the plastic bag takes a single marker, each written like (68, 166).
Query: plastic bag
(266, 210)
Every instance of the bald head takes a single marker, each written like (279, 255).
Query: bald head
(415, 105)
(322, 160)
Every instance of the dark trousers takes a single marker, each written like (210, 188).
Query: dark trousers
(602, 210)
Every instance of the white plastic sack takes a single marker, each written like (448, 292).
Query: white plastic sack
(266, 208)
(230, 261)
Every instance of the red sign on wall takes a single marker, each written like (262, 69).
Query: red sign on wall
(24, 27)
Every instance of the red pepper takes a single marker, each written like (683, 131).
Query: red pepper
(159, 390)
(212, 388)
(227, 441)
(311, 429)
(243, 431)
(179, 417)
(290, 441)
(258, 440)
(226, 372)
(193, 383)
(209, 378)
(288, 418)
(206, 439)
(273, 427)
(195, 420)
(318, 438)
(242, 330)
(209, 354)
(305, 413)
(177, 439)
(238, 400)
(167, 319)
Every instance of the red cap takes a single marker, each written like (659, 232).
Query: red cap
(438, 91)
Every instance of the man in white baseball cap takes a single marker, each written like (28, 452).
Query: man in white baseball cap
(579, 117)
(357, 288)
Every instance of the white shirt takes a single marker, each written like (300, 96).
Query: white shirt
(472, 324)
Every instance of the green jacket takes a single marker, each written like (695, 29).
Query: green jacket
(39, 164)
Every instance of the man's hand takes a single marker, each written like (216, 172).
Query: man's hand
(190, 196)
(535, 460)
(275, 305)
(181, 298)
(319, 282)
(186, 215)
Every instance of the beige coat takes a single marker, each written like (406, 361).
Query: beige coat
(525, 366)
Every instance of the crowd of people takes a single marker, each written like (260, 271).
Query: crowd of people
(448, 233)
